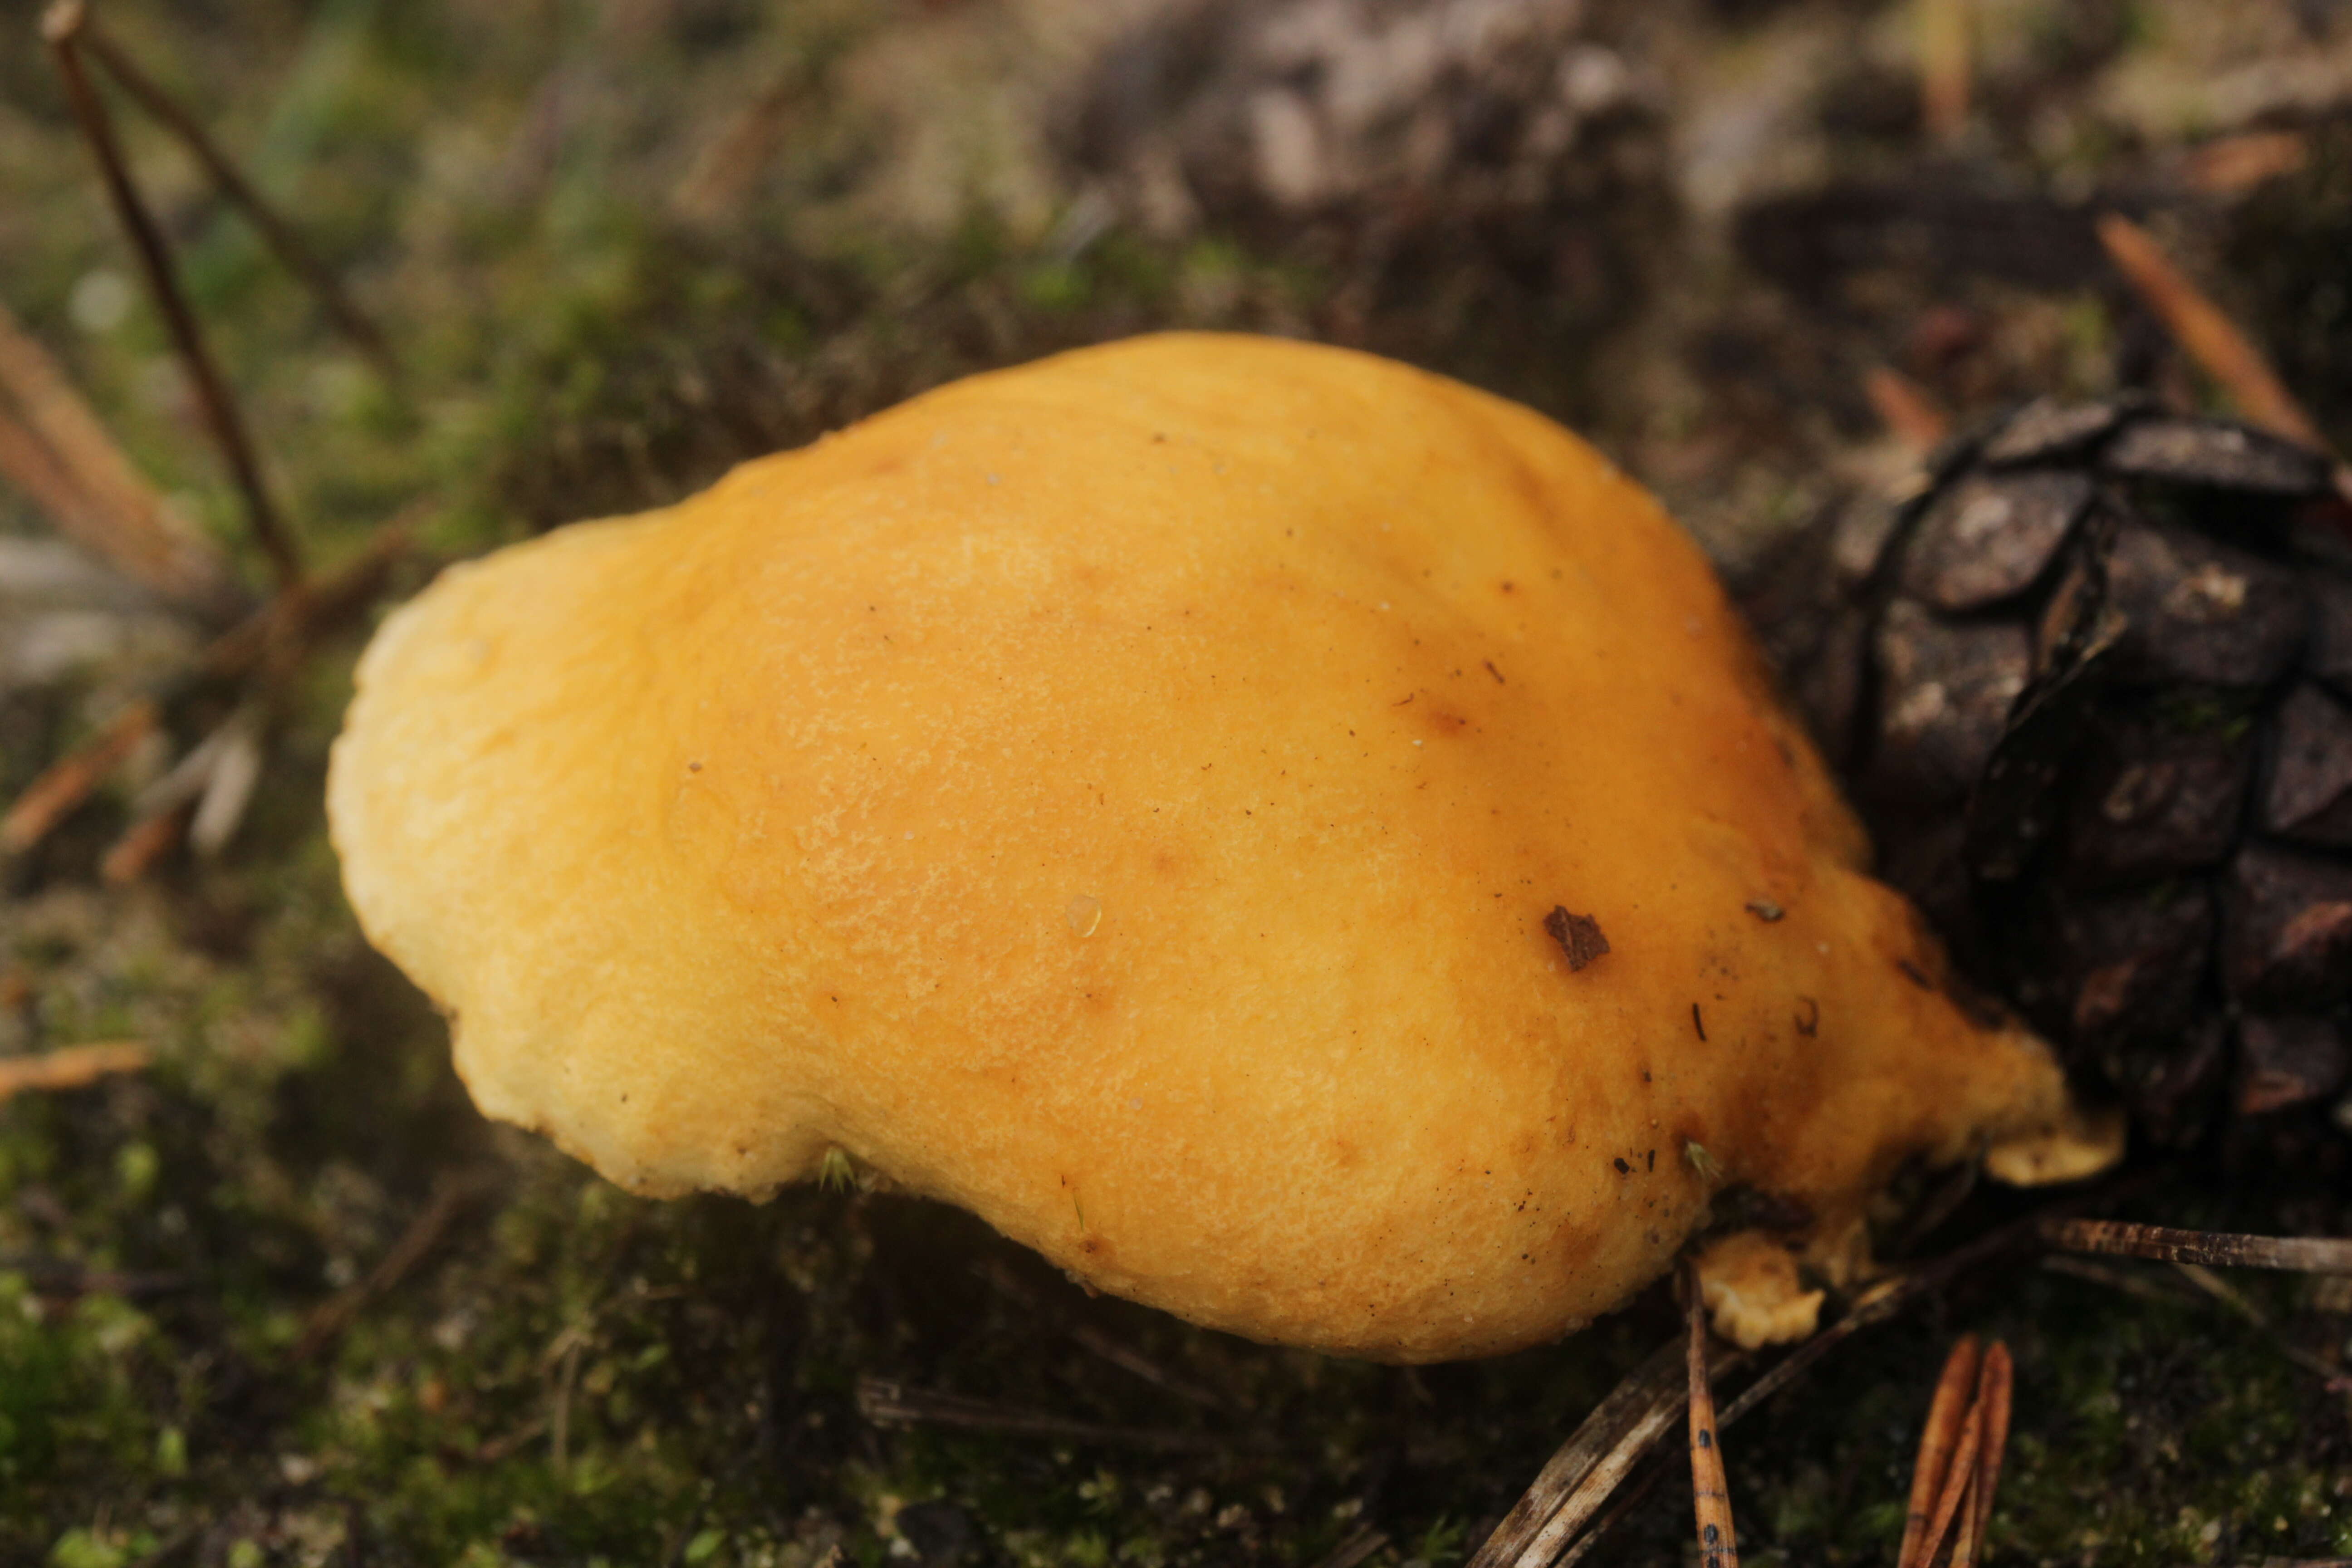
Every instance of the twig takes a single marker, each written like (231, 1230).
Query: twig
(724, 169)
(1635, 1399)
(559, 1423)
(65, 458)
(1360, 1545)
(1907, 410)
(1937, 1443)
(29, 464)
(1551, 1517)
(2229, 1296)
(2231, 165)
(1955, 1495)
(281, 629)
(68, 782)
(2211, 338)
(1960, 1456)
(235, 773)
(2114, 1280)
(1943, 67)
(71, 1066)
(223, 767)
(496, 1448)
(2301, 1254)
(451, 1195)
(66, 1276)
(889, 1404)
(143, 843)
(61, 28)
(295, 256)
(1993, 1394)
(1719, 1543)
(1130, 1360)
(1875, 1307)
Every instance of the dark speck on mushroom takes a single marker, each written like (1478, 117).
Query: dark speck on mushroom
(1578, 936)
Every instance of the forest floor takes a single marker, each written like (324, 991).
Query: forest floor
(619, 246)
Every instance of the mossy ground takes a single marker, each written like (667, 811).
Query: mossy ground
(573, 1375)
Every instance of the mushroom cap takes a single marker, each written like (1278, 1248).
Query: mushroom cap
(1126, 795)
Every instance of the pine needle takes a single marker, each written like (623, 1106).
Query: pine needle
(2206, 333)
(1960, 1453)
(1719, 1543)
(1938, 1444)
(1945, 68)
(68, 782)
(71, 1066)
(2214, 1248)
(1909, 414)
(59, 452)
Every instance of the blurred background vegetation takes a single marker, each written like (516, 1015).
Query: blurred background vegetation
(619, 246)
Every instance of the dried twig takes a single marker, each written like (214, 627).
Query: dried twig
(143, 843)
(1905, 408)
(1360, 1545)
(62, 29)
(1719, 1543)
(29, 464)
(889, 1403)
(1937, 1443)
(63, 457)
(1959, 1458)
(2117, 1279)
(1956, 1492)
(451, 1195)
(1993, 1390)
(235, 773)
(1127, 1358)
(66, 1276)
(71, 1066)
(2211, 338)
(1943, 67)
(1549, 1523)
(218, 774)
(280, 630)
(1876, 1306)
(725, 169)
(68, 782)
(2231, 165)
(2301, 1254)
(2219, 1290)
(296, 257)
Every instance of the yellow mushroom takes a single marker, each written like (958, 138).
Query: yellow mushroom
(1297, 841)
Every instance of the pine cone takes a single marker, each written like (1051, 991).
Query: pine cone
(2092, 689)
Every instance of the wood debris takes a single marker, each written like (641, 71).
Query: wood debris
(888, 1403)
(56, 450)
(62, 29)
(2299, 1254)
(288, 246)
(2206, 333)
(1944, 68)
(451, 1196)
(1909, 413)
(1959, 1458)
(70, 780)
(1719, 1543)
(71, 1066)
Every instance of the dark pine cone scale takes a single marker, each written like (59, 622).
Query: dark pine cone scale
(2091, 687)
